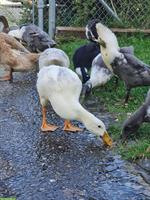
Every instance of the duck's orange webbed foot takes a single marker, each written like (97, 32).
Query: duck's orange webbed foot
(48, 127)
(45, 126)
(5, 78)
(69, 127)
(5, 72)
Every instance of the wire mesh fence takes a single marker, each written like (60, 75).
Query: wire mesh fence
(114, 13)
(132, 13)
(12, 11)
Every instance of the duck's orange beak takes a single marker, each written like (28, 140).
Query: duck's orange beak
(107, 139)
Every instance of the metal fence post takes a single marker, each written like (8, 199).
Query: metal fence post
(51, 20)
(33, 10)
(109, 10)
(40, 13)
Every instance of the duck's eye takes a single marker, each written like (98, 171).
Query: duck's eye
(99, 126)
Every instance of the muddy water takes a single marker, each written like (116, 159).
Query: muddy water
(59, 165)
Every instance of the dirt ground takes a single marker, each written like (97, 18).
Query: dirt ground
(59, 165)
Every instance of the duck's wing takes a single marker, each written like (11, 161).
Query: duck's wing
(131, 66)
(60, 80)
(138, 69)
(135, 62)
(100, 73)
(98, 66)
(13, 43)
(127, 50)
(98, 61)
(69, 81)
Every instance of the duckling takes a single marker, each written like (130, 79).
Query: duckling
(142, 114)
(14, 57)
(62, 87)
(53, 56)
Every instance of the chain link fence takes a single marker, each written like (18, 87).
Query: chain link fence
(76, 13)
(12, 11)
(114, 13)
(132, 13)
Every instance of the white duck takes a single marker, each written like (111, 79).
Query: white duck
(53, 56)
(62, 87)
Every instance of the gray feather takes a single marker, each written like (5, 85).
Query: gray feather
(137, 118)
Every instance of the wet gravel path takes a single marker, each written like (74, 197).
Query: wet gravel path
(59, 165)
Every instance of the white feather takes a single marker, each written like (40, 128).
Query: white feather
(18, 33)
(53, 56)
(78, 71)
(99, 75)
(62, 87)
(59, 86)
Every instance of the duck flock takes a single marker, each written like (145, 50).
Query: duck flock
(94, 65)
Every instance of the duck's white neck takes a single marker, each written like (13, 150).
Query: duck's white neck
(85, 116)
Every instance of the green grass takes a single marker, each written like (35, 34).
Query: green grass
(113, 98)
